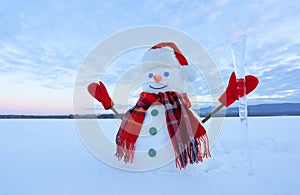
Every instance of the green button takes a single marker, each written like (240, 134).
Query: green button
(154, 112)
(152, 131)
(152, 153)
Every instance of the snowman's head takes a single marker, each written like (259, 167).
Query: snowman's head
(160, 77)
(166, 69)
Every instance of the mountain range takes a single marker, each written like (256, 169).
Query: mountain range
(282, 109)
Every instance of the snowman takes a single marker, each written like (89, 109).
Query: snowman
(162, 124)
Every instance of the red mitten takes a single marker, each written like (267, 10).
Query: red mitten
(232, 94)
(99, 92)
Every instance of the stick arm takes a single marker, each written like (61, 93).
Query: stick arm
(213, 113)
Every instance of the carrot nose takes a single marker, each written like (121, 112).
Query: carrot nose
(157, 78)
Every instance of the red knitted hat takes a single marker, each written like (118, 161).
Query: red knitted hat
(169, 53)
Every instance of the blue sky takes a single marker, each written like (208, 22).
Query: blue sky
(42, 44)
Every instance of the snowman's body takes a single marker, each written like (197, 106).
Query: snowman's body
(154, 133)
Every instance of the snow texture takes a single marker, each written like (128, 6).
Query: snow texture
(48, 157)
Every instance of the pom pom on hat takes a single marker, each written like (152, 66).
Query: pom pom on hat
(169, 53)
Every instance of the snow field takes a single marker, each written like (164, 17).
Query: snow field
(48, 157)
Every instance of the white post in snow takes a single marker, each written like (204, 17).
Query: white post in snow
(238, 54)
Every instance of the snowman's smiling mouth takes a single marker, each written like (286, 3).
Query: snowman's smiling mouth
(157, 87)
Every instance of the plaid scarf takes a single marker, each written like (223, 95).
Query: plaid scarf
(185, 131)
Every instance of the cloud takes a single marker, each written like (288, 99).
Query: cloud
(44, 43)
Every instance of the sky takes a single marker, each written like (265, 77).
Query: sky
(43, 44)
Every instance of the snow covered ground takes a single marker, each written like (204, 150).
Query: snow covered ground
(48, 157)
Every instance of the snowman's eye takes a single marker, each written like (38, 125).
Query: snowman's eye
(150, 75)
(166, 74)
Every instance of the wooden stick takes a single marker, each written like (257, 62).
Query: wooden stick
(213, 113)
(116, 112)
